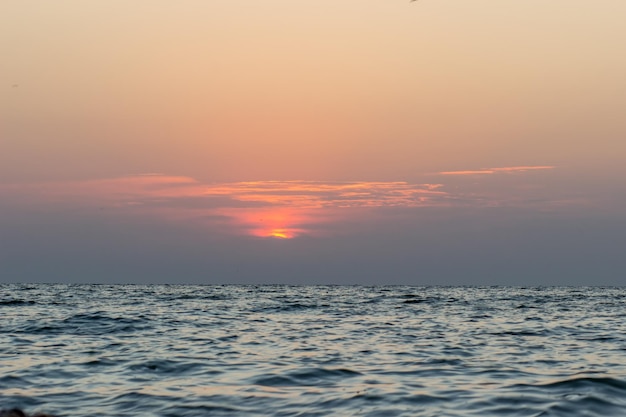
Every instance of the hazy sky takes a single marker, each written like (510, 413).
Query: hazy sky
(333, 141)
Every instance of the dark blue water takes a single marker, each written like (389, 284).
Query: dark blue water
(99, 350)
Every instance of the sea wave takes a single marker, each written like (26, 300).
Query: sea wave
(312, 351)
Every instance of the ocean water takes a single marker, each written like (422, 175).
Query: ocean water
(129, 350)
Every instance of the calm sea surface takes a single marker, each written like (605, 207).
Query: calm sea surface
(100, 350)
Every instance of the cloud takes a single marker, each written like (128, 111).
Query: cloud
(313, 194)
(489, 171)
(281, 209)
(255, 208)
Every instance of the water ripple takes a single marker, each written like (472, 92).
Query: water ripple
(126, 350)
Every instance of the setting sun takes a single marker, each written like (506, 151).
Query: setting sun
(278, 223)
(281, 234)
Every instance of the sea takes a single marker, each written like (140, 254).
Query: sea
(277, 350)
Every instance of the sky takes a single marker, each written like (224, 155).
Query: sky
(437, 142)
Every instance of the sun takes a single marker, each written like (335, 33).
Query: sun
(280, 234)
(282, 223)
(275, 223)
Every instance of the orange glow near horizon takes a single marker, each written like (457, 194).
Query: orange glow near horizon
(291, 209)
(264, 209)
(278, 222)
(281, 234)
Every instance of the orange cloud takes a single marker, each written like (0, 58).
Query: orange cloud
(480, 172)
(286, 209)
(313, 194)
(489, 171)
(279, 209)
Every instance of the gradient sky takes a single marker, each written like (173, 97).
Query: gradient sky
(334, 141)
